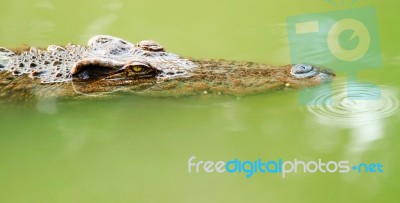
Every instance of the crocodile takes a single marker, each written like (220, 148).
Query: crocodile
(110, 64)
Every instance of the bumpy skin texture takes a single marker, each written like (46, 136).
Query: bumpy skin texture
(230, 77)
(109, 64)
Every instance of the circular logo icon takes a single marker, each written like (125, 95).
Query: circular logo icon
(358, 30)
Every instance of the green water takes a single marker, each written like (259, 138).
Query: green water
(136, 149)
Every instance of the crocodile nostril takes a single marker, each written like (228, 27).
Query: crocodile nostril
(303, 71)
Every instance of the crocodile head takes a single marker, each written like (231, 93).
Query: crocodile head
(108, 64)
(112, 64)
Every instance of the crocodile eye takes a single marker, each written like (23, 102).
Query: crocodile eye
(137, 68)
(303, 71)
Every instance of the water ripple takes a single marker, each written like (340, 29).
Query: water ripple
(352, 104)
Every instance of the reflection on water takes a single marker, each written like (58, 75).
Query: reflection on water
(46, 4)
(353, 104)
(40, 28)
(103, 22)
(358, 106)
(99, 26)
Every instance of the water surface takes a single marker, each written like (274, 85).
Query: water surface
(136, 149)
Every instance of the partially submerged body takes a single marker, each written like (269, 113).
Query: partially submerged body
(108, 64)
